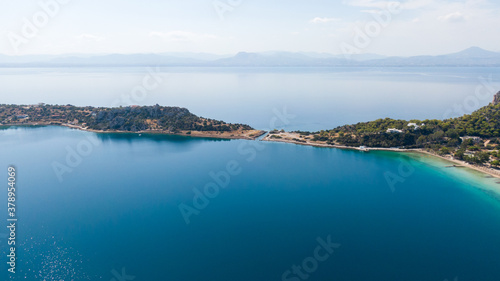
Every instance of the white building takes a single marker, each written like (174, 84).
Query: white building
(393, 130)
(469, 154)
(474, 139)
(415, 126)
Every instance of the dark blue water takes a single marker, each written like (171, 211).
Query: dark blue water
(118, 209)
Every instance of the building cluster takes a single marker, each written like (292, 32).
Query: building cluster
(398, 131)
(474, 139)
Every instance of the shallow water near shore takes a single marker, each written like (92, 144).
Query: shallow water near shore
(118, 209)
(468, 176)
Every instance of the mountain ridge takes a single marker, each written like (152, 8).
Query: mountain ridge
(473, 56)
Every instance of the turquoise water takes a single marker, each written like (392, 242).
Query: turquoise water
(118, 209)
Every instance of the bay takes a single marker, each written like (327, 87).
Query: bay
(117, 211)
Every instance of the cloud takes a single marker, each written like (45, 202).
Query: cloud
(89, 37)
(182, 36)
(375, 4)
(453, 17)
(370, 3)
(318, 20)
(372, 11)
(416, 4)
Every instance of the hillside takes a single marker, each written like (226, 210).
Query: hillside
(160, 119)
(473, 56)
(474, 138)
(483, 123)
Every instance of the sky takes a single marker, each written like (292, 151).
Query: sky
(406, 28)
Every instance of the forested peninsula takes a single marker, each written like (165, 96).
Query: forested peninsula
(132, 119)
(473, 138)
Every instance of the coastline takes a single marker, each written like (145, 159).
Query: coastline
(318, 144)
(457, 163)
(286, 138)
(244, 135)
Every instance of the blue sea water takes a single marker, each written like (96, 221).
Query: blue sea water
(115, 212)
(111, 209)
(313, 98)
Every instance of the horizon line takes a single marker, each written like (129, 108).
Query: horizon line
(239, 52)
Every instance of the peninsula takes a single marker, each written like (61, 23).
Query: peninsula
(472, 140)
(132, 119)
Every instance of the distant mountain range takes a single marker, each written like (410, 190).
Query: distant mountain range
(474, 56)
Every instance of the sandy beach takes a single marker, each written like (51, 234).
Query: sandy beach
(459, 163)
(285, 137)
(246, 135)
(295, 138)
(240, 134)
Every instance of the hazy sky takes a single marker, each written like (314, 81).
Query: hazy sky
(229, 26)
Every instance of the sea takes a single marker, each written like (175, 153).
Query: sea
(116, 207)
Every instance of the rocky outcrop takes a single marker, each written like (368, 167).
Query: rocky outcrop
(496, 99)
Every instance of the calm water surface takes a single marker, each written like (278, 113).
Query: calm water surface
(313, 98)
(115, 209)
(118, 209)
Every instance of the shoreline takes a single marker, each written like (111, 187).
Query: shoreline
(248, 135)
(316, 144)
(458, 163)
(256, 134)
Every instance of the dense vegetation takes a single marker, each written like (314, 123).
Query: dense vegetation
(473, 137)
(484, 123)
(132, 119)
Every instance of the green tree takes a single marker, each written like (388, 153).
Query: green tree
(445, 150)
